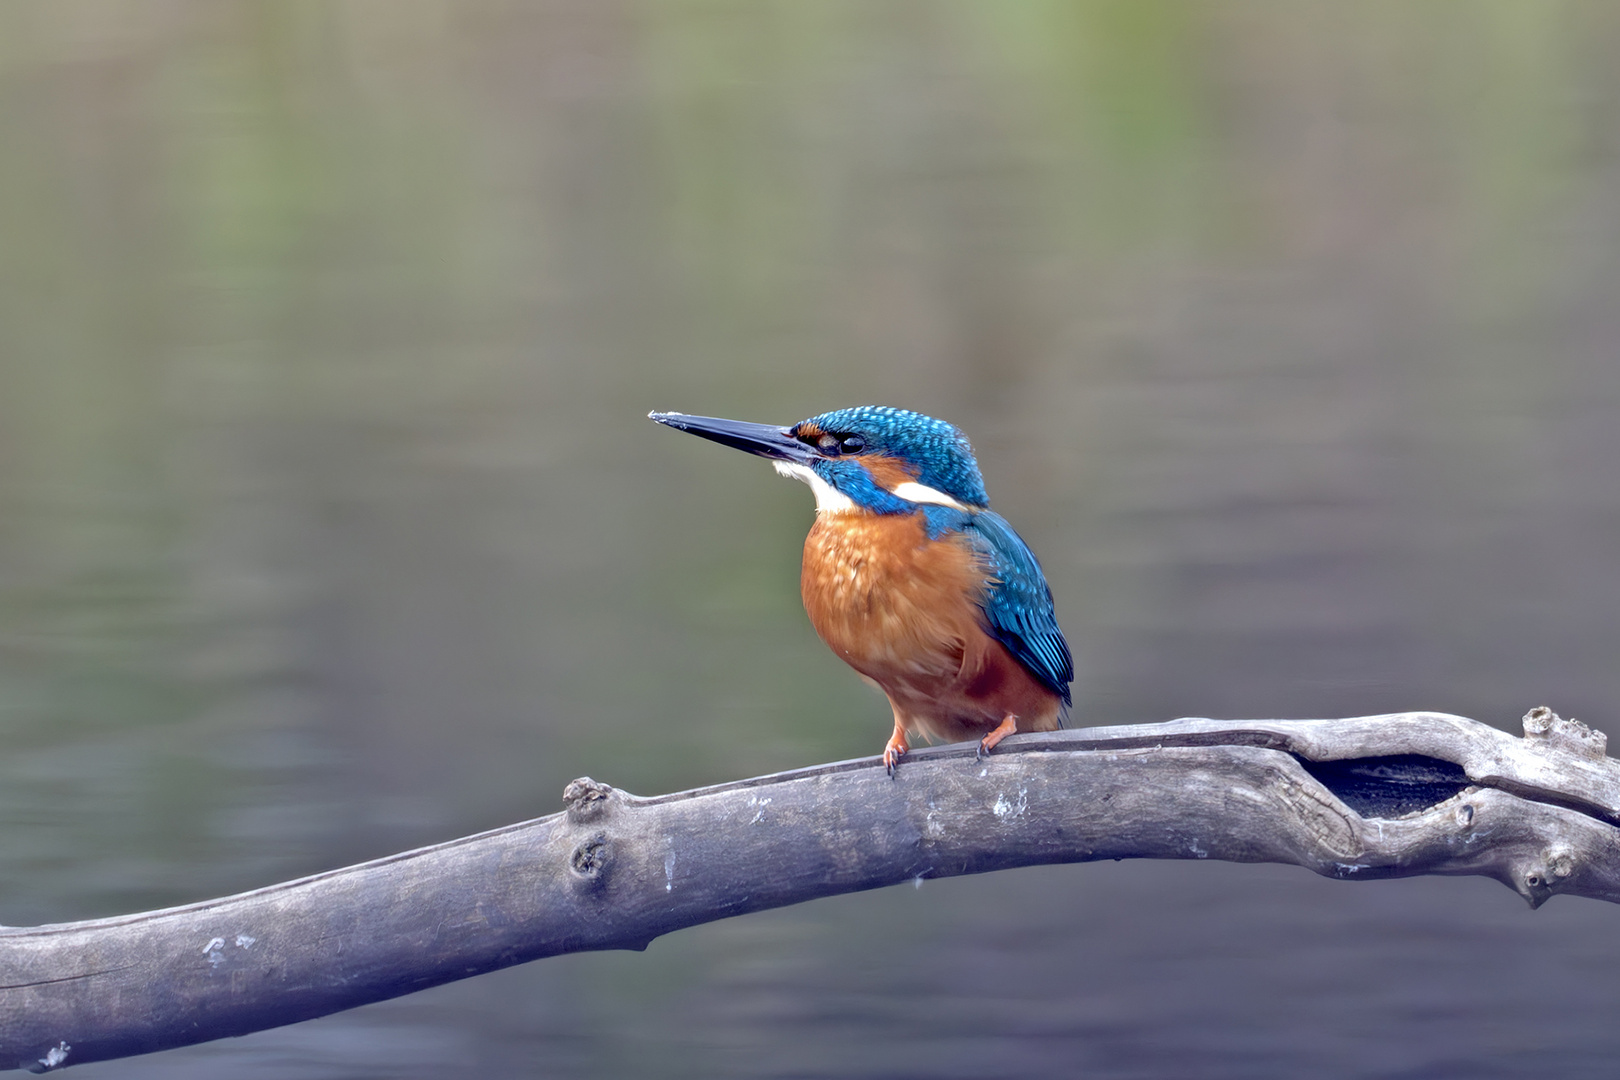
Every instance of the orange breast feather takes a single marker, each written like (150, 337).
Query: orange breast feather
(904, 611)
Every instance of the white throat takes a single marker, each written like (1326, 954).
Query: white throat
(829, 500)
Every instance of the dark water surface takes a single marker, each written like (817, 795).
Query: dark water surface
(331, 523)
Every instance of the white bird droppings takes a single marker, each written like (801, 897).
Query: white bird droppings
(54, 1057)
(759, 815)
(1005, 807)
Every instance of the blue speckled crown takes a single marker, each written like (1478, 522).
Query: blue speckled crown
(941, 453)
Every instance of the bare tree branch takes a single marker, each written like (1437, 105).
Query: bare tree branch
(1375, 797)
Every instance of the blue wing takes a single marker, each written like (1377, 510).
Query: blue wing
(1018, 605)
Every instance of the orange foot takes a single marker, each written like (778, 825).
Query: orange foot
(894, 750)
(1004, 729)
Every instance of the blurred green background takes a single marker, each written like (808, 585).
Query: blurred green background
(331, 523)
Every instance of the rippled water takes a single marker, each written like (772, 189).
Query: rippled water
(331, 523)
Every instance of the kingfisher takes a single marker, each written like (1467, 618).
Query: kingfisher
(911, 578)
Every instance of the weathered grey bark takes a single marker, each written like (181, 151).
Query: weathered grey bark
(1437, 795)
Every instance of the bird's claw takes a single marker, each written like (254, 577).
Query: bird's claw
(893, 751)
(991, 738)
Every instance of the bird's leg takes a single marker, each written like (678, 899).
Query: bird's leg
(895, 748)
(1002, 730)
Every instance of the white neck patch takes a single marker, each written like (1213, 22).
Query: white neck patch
(911, 491)
(829, 500)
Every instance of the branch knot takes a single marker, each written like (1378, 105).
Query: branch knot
(1543, 727)
(589, 861)
(586, 799)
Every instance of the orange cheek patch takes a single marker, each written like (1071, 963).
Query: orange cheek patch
(889, 473)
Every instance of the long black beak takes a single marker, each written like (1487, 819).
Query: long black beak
(766, 440)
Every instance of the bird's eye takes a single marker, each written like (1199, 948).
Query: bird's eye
(833, 445)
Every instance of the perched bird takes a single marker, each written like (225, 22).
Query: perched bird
(911, 578)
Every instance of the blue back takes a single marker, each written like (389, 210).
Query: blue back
(1018, 603)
